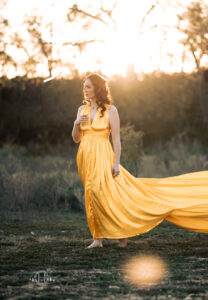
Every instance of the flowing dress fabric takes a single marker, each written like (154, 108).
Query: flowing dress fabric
(126, 206)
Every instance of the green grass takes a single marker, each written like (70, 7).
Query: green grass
(55, 242)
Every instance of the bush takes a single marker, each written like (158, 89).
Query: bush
(131, 152)
(38, 182)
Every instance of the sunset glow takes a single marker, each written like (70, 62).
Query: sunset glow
(153, 46)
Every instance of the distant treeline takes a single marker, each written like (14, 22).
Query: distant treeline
(160, 105)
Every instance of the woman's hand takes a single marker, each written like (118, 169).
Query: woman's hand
(81, 119)
(116, 169)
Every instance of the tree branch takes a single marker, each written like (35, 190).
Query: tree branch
(146, 15)
(74, 10)
(82, 44)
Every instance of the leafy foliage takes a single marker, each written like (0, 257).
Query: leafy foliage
(160, 105)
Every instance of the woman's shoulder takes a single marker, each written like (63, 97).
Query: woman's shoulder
(81, 107)
(112, 108)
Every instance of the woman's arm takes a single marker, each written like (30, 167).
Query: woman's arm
(115, 132)
(77, 132)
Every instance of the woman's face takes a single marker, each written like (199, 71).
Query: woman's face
(88, 89)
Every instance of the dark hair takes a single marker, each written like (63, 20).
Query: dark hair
(101, 89)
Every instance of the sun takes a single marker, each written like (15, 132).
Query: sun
(144, 47)
(137, 39)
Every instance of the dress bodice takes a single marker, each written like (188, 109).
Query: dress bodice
(99, 125)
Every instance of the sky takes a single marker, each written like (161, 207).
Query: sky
(155, 49)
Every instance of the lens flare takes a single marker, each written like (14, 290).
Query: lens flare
(144, 270)
(48, 79)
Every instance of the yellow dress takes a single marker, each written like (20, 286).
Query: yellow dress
(126, 206)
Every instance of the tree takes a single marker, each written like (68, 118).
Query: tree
(5, 58)
(44, 47)
(194, 24)
(29, 65)
(103, 15)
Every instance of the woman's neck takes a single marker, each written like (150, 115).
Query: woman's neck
(93, 103)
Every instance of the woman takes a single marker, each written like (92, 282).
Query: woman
(118, 205)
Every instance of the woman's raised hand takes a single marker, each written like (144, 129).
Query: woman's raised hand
(81, 119)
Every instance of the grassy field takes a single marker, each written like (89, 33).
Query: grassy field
(55, 243)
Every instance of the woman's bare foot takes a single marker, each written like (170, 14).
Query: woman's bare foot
(95, 243)
(122, 243)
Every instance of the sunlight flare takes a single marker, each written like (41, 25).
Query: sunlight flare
(131, 36)
(144, 270)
